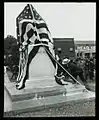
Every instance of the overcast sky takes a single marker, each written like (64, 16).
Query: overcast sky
(64, 20)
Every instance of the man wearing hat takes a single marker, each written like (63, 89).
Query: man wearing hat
(73, 69)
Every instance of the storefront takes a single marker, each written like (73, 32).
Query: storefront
(85, 49)
(71, 48)
(66, 46)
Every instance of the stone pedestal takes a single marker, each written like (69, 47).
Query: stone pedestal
(38, 97)
(41, 89)
(41, 66)
(41, 71)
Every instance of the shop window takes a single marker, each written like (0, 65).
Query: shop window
(71, 49)
(77, 54)
(87, 55)
(93, 54)
(80, 54)
(59, 50)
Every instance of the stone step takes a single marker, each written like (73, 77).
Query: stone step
(49, 102)
(30, 93)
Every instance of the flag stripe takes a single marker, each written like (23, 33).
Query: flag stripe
(26, 33)
(44, 40)
(42, 25)
(39, 21)
(42, 30)
(43, 35)
(32, 30)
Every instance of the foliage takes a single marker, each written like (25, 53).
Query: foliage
(11, 51)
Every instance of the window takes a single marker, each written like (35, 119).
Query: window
(93, 54)
(59, 50)
(87, 55)
(81, 54)
(71, 49)
(77, 54)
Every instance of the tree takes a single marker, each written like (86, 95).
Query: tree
(11, 50)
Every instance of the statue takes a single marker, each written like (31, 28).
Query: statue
(34, 37)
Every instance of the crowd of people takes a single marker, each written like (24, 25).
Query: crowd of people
(85, 68)
(88, 66)
(11, 65)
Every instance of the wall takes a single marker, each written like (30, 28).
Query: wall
(86, 48)
(67, 46)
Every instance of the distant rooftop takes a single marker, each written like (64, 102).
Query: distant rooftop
(63, 39)
(85, 42)
(76, 41)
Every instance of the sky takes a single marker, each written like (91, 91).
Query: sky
(64, 20)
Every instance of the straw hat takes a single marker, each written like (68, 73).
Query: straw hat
(65, 61)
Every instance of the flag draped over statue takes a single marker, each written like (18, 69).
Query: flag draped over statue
(31, 31)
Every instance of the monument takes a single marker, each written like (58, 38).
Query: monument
(36, 56)
(36, 87)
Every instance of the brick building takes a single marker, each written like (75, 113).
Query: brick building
(85, 49)
(66, 45)
(71, 48)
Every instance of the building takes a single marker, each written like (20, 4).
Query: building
(85, 49)
(73, 49)
(66, 45)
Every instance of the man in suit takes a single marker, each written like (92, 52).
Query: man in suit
(75, 71)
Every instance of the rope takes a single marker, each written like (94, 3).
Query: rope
(66, 70)
(62, 67)
(52, 56)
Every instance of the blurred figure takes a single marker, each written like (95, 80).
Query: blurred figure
(75, 61)
(91, 69)
(14, 71)
(86, 68)
(65, 62)
(60, 74)
(75, 71)
(5, 64)
(94, 68)
(5, 60)
(59, 68)
(94, 61)
(59, 59)
(5, 70)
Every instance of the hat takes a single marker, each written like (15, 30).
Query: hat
(65, 61)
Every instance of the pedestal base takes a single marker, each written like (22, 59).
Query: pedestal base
(38, 97)
(40, 82)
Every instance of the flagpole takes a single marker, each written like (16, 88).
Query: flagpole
(51, 55)
(48, 52)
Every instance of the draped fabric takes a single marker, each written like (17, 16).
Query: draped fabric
(32, 32)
